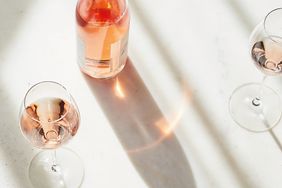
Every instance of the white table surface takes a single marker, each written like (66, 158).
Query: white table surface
(170, 128)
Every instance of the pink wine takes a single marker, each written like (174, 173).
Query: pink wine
(267, 55)
(102, 27)
(49, 122)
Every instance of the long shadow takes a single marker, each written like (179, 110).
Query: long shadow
(169, 61)
(12, 13)
(15, 151)
(243, 16)
(142, 129)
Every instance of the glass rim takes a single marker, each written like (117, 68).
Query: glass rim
(37, 84)
(97, 24)
(265, 28)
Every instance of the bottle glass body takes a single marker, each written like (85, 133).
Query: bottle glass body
(102, 28)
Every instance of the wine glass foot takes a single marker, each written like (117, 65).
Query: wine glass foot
(56, 169)
(255, 107)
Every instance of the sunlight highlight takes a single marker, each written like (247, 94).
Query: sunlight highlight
(164, 127)
(119, 92)
(109, 5)
(167, 125)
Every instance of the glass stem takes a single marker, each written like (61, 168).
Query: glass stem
(257, 101)
(57, 170)
(260, 96)
(54, 157)
(261, 86)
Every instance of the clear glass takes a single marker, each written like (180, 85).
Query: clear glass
(102, 29)
(49, 118)
(255, 106)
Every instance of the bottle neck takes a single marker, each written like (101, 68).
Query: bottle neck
(100, 11)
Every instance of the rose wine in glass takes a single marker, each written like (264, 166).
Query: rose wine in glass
(267, 55)
(102, 29)
(255, 106)
(49, 122)
(49, 118)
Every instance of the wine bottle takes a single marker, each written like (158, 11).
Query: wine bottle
(102, 29)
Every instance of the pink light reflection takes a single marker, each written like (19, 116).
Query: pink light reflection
(167, 127)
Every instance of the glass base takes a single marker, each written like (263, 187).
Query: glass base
(255, 107)
(67, 173)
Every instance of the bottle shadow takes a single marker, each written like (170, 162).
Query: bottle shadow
(142, 129)
(169, 60)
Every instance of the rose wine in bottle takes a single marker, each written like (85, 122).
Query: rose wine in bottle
(102, 28)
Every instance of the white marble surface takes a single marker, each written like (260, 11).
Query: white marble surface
(189, 56)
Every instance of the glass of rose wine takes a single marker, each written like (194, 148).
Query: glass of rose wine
(49, 118)
(255, 106)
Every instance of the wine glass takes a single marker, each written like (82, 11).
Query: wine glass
(49, 118)
(255, 106)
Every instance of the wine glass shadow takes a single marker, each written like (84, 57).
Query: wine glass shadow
(139, 124)
(15, 151)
